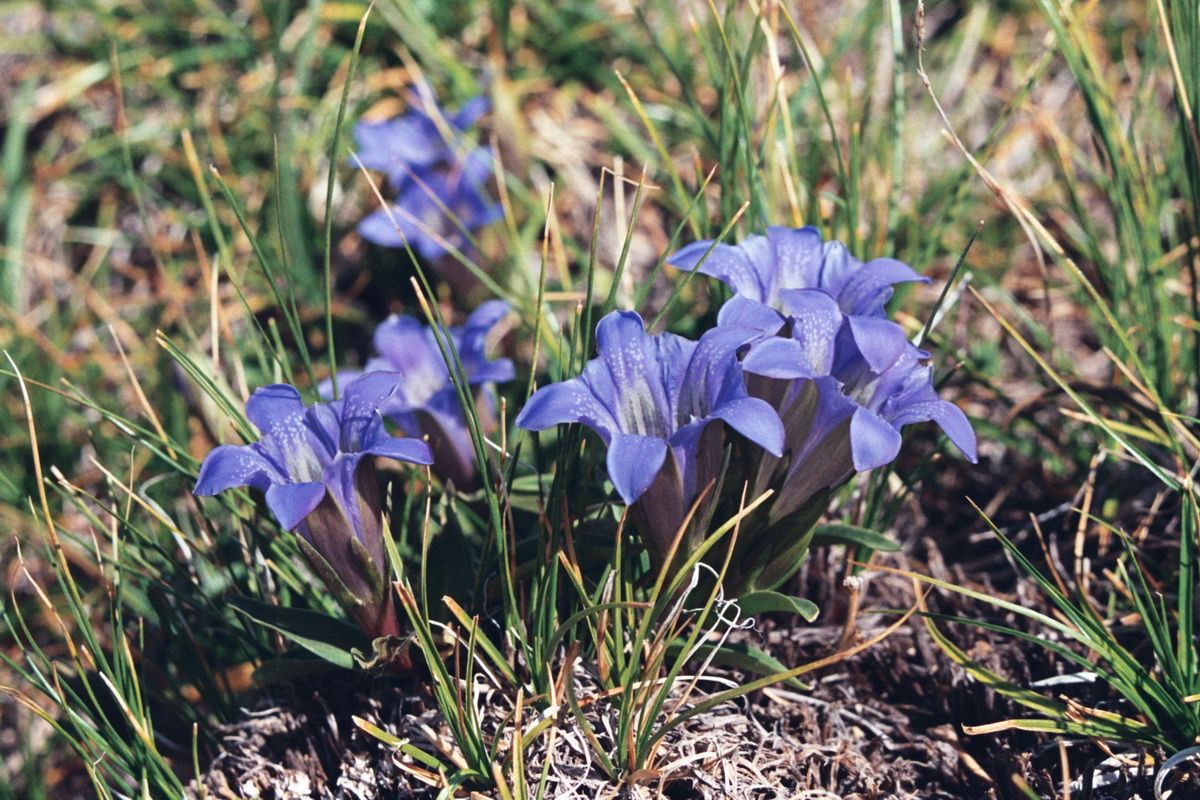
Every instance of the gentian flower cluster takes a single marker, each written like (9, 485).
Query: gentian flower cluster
(829, 327)
(437, 176)
(425, 403)
(316, 467)
(803, 364)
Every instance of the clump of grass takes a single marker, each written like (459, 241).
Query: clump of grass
(1141, 314)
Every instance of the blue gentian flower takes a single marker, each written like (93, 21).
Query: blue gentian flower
(765, 269)
(431, 206)
(843, 378)
(899, 395)
(438, 178)
(401, 145)
(425, 403)
(653, 401)
(844, 387)
(315, 465)
(813, 332)
(819, 315)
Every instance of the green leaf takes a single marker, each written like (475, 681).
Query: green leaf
(324, 636)
(761, 602)
(739, 655)
(394, 741)
(842, 533)
(288, 667)
(388, 739)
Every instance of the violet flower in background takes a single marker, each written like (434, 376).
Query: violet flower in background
(425, 403)
(413, 141)
(316, 466)
(437, 176)
(653, 401)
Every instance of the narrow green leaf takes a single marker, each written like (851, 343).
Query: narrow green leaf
(846, 534)
(289, 668)
(495, 657)
(738, 655)
(763, 602)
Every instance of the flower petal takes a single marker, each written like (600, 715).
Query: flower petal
(380, 228)
(344, 379)
(713, 374)
(486, 315)
(744, 268)
(779, 358)
(231, 465)
(796, 254)
(949, 417)
(414, 451)
(358, 501)
(636, 372)
(472, 168)
(816, 320)
(431, 208)
(756, 420)
(275, 408)
(867, 290)
(395, 145)
(741, 311)
(569, 401)
(499, 370)
(471, 342)
(633, 463)
(408, 347)
(361, 424)
(292, 502)
(880, 341)
(293, 445)
(365, 395)
(873, 440)
(396, 338)
(423, 220)
(469, 113)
